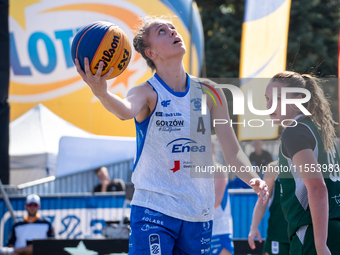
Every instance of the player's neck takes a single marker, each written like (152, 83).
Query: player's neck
(32, 218)
(174, 77)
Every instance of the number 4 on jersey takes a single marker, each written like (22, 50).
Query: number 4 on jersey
(200, 125)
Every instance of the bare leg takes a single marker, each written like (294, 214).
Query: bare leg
(225, 252)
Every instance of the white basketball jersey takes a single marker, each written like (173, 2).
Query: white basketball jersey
(223, 221)
(171, 142)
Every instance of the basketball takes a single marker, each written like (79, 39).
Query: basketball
(102, 41)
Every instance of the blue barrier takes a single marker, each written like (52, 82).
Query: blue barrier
(242, 202)
(72, 216)
(84, 215)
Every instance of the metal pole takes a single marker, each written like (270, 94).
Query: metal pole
(190, 31)
(8, 203)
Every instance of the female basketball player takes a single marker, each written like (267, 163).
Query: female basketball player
(310, 190)
(173, 204)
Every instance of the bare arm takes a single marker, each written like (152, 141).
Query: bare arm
(317, 197)
(104, 185)
(128, 108)
(259, 212)
(231, 149)
(27, 250)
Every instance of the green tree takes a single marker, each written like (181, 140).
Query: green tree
(312, 40)
(313, 37)
(222, 23)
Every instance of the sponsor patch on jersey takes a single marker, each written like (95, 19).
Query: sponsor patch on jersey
(157, 214)
(275, 247)
(205, 240)
(182, 145)
(337, 199)
(196, 102)
(147, 227)
(170, 125)
(152, 220)
(172, 114)
(155, 244)
(165, 103)
(206, 225)
(177, 166)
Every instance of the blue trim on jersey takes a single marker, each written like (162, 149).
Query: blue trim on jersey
(177, 94)
(225, 198)
(200, 86)
(141, 130)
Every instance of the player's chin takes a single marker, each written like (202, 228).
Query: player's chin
(276, 120)
(181, 48)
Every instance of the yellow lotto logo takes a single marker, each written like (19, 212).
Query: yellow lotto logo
(42, 68)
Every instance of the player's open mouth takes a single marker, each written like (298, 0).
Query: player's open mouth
(177, 41)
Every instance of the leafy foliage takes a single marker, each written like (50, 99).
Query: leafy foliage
(312, 40)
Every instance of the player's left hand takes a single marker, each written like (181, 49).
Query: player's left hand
(261, 189)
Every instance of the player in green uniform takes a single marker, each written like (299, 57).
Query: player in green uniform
(310, 189)
(277, 241)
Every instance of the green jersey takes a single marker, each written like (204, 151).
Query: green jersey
(294, 198)
(277, 224)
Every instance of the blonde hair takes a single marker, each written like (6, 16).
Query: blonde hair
(318, 105)
(140, 41)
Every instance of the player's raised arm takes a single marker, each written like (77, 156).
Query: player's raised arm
(128, 108)
(231, 149)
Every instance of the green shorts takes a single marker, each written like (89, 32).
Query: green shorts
(304, 244)
(275, 248)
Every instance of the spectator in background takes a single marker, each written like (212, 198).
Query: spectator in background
(26, 229)
(260, 157)
(107, 184)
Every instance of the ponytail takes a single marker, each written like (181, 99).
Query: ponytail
(140, 43)
(321, 112)
(318, 105)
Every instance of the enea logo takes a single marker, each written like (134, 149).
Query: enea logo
(204, 97)
(41, 33)
(165, 103)
(182, 145)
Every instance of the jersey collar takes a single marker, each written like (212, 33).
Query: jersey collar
(33, 220)
(177, 94)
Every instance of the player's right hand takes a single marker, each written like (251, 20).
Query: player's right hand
(261, 189)
(97, 82)
(323, 250)
(252, 234)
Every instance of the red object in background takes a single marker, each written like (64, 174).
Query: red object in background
(339, 78)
